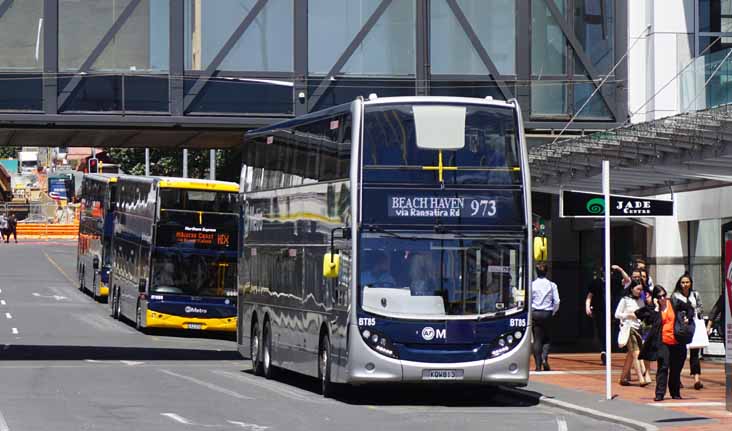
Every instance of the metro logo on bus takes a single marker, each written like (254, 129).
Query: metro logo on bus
(429, 333)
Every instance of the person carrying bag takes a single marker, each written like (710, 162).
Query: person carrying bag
(630, 333)
(684, 293)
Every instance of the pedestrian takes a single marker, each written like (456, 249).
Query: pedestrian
(544, 305)
(630, 333)
(661, 343)
(595, 308)
(717, 318)
(12, 228)
(640, 264)
(684, 292)
(3, 226)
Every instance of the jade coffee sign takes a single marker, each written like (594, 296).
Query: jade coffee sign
(584, 204)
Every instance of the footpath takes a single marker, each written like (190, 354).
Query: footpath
(577, 383)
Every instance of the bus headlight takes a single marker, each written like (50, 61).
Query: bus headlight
(380, 343)
(504, 343)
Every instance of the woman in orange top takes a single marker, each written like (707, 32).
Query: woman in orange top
(671, 354)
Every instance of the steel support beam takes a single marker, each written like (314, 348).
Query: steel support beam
(4, 6)
(185, 163)
(97, 52)
(50, 57)
(212, 164)
(300, 43)
(579, 50)
(346, 55)
(177, 56)
(479, 48)
(221, 55)
(423, 48)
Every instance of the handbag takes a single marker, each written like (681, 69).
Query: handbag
(700, 339)
(623, 335)
(683, 331)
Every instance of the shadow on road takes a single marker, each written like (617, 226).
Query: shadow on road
(10, 352)
(387, 394)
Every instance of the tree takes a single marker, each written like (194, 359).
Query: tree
(169, 163)
(9, 152)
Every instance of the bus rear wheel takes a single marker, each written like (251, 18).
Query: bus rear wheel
(324, 365)
(254, 344)
(267, 368)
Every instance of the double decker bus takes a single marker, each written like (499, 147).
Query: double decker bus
(175, 253)
(96, 221)
(387, 240)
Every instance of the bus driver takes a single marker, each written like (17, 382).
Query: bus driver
(377, 272)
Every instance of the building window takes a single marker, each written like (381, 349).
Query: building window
(494, 22)
(714, 24)
(21, 36)
(561, 84)
(140, 44)
(265, 46)
(388, 49)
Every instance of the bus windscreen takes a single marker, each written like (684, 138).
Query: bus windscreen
(488, 154)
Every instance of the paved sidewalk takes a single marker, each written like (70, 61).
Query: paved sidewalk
(579, 379)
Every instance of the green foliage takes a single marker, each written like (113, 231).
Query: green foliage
(170, 162)
(9, 152)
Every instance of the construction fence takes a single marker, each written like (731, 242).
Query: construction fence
(44, 220)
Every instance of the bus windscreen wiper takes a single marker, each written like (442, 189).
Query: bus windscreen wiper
(378, 229)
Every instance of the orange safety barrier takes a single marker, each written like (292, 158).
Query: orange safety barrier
(44, 230)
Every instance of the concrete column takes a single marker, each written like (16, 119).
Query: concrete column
(147, 162)
(212, 164)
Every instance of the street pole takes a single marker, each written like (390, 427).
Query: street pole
(185, 163)
(212, 165)
(147, 162)
(608, 341)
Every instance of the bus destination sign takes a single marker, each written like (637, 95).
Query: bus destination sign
(203, 236)
(441, 206)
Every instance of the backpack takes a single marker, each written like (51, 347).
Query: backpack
(684, 332)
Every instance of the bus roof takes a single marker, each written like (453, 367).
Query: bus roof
(196, 184)
(346, 107)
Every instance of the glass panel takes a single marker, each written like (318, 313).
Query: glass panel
(21, 36)
(494, 21)
(267, 45)
(437, 277)
(715, 16)
(548, 45)
(593, 25)
(388, 49)
(548, 98)
(242, 96)
(146, 93)
(21, 92)
(596, 108)
(345, 90)
(141, 44)
(94, 93)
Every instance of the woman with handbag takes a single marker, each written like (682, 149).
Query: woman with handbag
(630, 333)
(684, 292)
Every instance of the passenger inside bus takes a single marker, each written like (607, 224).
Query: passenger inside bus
(422, 278)
(377, 270)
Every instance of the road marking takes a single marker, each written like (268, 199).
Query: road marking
(132, 363)
(561, 424)
(15, 331)
(56, 265)
(177, 418)
(211, 386)
(252, 427)
(8, 315)
(2, 302)
(3, 424)
(689, 404)
(272, 386)
(56, 297)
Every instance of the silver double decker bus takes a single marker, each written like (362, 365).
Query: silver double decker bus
(388, 240)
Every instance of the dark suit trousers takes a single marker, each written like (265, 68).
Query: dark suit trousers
(671, 360)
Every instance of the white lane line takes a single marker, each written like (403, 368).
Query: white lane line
(561, 424)
(8, 315)
(689, 404)
(271, 386)
(15, 331)
(246, 426)
(177, 418)
(3, 424)
(2, 302)
(211, 386)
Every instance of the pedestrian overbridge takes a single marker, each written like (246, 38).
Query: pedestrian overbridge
(688, 151)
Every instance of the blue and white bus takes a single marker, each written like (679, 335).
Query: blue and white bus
(387, 240)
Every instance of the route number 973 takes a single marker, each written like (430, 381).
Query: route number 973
(482, 208)
(517, 323)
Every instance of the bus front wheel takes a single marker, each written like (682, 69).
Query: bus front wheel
(115, 304)
(254, 344)
(267, 352)
(324, 360)
(138, 318)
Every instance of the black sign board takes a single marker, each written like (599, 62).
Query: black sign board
(584, 204)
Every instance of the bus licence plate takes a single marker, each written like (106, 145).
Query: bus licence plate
(194, 326)
(442, 374)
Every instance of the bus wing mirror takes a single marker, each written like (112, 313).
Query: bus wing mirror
(540, 248)
(95, 262)
(142, 286)
(331, 265)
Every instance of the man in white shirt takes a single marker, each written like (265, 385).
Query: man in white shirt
(544, 305)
